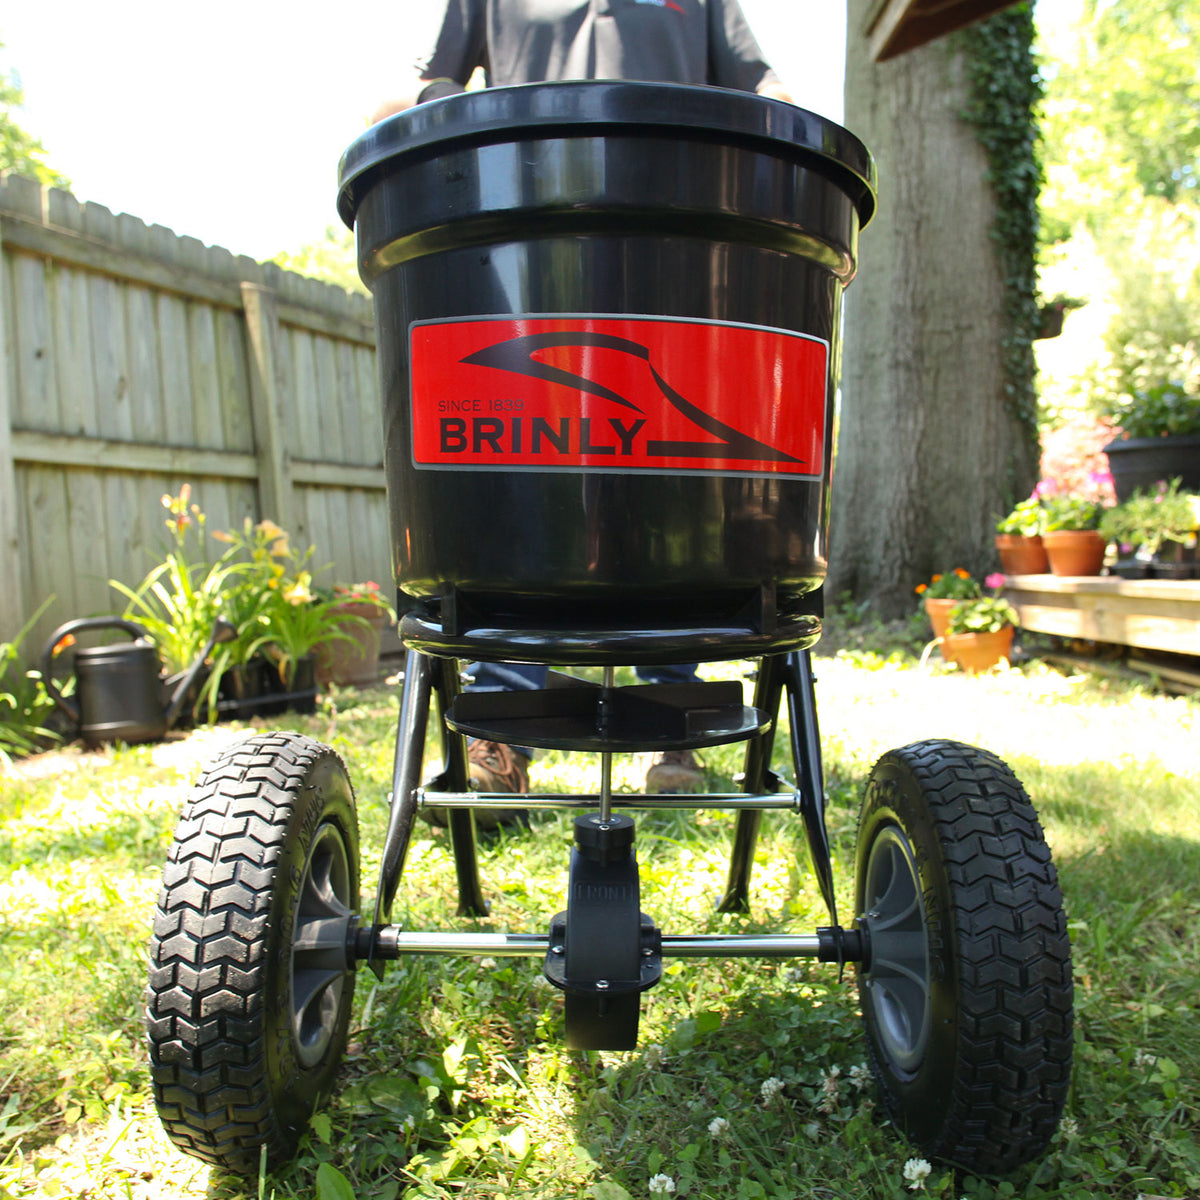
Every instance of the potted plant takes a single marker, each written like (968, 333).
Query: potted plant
(1160, 525)
(1052, 314)
(1019, 539)
(1160, 438)
(1070, 535)
(355, 661)
(280, 622)
(941, 594)
(980, 631)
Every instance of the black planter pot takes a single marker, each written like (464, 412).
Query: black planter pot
(1131, 568)
(1142, 462)
(254, 689)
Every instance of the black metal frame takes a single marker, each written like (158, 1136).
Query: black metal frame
(602, 1011)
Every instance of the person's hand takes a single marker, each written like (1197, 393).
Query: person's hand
(390, 107)
(426, 89)
(774, 90)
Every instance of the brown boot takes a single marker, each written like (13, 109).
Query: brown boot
(675, 771)
(496, 767)
(493, 767)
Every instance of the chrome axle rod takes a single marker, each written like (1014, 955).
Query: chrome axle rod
(390, 942)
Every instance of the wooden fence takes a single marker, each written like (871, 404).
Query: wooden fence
(132, 361)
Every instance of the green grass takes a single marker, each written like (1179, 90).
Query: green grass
(456, 1083)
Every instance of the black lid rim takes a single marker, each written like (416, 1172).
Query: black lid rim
(642, 107)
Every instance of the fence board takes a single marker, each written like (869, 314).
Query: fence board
(72, 348)
(178, 405)
(11, 567)
(42, 502)
(203, 369)
(304, 417)
(86, 537)
(234, 382)
(36, 405)
(328, 399)
(110, 348)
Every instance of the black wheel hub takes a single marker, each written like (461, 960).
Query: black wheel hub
(898, 979)
(322, 945)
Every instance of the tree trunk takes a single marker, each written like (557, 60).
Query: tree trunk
(930, 454)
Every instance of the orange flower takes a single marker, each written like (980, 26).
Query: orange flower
(63, 643)
(936, 578)
(960, 573)
(922, 587)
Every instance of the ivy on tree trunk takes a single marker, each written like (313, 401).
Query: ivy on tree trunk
(938, 432)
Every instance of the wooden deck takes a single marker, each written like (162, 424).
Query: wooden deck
(1148, 614)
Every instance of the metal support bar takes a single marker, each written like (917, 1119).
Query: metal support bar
(606, 756)
(471, 902)
(393, 942)
(406, 777)
(810, 780)
(717, 800)
(756, 779)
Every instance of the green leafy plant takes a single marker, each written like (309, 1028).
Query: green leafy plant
(950, 585)
(987, 614)
(1165, 410)
(24, 704)
(1070, 513)
(1027, 519)
(1148, 518)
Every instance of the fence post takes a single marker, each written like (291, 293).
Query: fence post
(266, 399)
(10, 546)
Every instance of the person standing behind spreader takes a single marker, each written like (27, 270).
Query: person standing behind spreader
(700, 42)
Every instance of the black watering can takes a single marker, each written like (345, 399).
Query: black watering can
(120, 693)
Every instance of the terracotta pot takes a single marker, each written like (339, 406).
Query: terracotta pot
(1022, 555)
(1075, 551)
(938, 611)
(976, 652)
(353, 661)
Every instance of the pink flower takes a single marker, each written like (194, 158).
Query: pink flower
(995, 580)
(1047, 487)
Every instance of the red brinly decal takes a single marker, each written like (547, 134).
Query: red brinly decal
(618, 394)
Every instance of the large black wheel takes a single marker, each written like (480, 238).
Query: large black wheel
(966, 993)
(251, 962)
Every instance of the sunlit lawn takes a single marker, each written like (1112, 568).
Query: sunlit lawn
(457, 1084)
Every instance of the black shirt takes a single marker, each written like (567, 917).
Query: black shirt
(660, 41)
